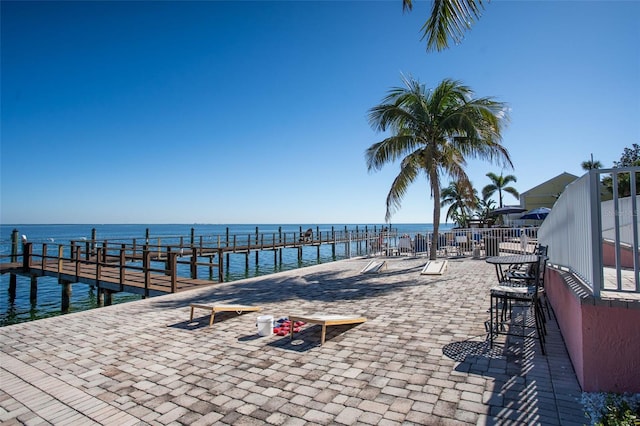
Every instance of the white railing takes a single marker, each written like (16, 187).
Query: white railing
(591, 237)
(452, 242)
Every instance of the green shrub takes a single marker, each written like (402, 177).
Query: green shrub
(608, 409)
(617, 412)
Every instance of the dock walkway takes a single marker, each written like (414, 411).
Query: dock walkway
(127, 265)
(421, 357)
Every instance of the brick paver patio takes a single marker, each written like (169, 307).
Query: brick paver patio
(421, 358)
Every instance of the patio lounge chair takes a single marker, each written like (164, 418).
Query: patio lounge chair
(223, 308)
(326, 320)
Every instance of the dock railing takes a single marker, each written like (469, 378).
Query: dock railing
(192, 253)
(593, 238)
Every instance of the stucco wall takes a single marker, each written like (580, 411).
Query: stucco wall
(609, 255)
(566, 308)
(601, 336)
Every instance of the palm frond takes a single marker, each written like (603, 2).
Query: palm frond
(511, 190)
(449, 20)
(409, 170)
(389, 150)
(488, 191)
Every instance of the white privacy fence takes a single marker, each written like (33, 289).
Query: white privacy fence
(595, 239)
(624, 225)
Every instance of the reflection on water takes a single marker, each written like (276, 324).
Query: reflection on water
(19, 308)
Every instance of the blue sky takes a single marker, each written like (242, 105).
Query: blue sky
(256, 112)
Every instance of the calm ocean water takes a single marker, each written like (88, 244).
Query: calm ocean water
(84, 297)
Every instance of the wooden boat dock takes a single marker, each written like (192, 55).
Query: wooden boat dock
(150, 267)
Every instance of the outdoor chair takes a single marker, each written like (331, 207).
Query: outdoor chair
(378, 245)
(405, 246)
(441, 247)
(524, 294)
(462, 244)
(421, 243)
(523, 272)
(529, 276)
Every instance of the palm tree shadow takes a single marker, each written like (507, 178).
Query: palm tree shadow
(324, 287)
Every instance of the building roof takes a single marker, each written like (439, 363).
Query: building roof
(546, 194)
(563, 177)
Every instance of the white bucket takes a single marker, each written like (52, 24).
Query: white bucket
(265, 325)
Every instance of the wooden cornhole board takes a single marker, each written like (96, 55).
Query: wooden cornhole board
(223, 308)
(374, 266)
(434, 267)
(326, 320)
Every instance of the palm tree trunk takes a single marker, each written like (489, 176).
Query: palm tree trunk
(435, 189)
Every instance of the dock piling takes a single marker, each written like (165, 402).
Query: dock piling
(107, 297)
(33, 293)
(194, 261)
(66, 296)
(14, 245)
(13, 285)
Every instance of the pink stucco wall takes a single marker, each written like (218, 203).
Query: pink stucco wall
(609, 255)
(603, 339)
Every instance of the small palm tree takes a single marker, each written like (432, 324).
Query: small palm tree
(433, 132)
(499, 183)
(461, 199)
(484, 208)
(591, 164)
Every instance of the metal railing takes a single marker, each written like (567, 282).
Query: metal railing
(592, 230)
(457, 241)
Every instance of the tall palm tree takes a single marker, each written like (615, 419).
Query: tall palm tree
(461, 199)
(499, 183)
(432, 132)
(449, 19)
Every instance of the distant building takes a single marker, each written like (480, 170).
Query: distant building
(546, 194)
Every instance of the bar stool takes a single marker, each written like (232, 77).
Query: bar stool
(526, 293)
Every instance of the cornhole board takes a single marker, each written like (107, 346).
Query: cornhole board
(434, 267)
(222, 308)
(326, 320)
(374, 266)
